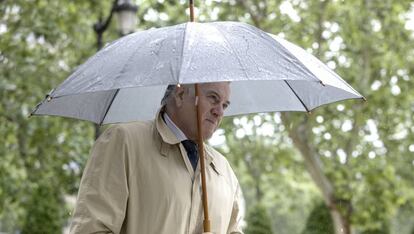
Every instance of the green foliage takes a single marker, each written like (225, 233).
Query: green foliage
(383, 229)
(258, 221)
(39, 46)
(366, 148)
(269, 174)
(319, 221)
(44, 207)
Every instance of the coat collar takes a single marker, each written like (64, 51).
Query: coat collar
(168, 138)
(166, 134)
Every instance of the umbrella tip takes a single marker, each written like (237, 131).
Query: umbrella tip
(320, 82)
(364, 99)
(49, 95)
(31, 114)
(309, 112)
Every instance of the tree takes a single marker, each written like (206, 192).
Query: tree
(319, 221)
(41, 158)
(333, 143)
(383, 229)
(258, 221)
(44, 207)
(267, 172)
(359, 156)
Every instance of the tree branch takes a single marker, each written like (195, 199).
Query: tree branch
(256, 18)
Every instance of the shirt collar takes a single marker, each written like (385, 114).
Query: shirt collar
(170, 124)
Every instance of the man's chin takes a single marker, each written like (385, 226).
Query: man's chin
(208, 130)
(207, 136)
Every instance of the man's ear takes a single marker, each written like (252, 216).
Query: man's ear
(179, 95)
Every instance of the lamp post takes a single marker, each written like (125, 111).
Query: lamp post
(125, 11)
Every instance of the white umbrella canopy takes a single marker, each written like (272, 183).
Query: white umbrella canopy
(126, 80)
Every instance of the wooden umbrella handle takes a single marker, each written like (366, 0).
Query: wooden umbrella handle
(206, 221)
(191, 3)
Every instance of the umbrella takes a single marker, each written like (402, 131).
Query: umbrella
(267, 74)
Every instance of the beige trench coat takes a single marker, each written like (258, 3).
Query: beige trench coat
(139, 180)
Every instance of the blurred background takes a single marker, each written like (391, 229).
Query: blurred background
(347, 166)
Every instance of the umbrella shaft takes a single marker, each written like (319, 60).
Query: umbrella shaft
(206, 221)
(191, 10)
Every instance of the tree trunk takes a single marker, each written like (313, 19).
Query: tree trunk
(299, 135)
(256, 174)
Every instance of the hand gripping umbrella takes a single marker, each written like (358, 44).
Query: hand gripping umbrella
(126, 80)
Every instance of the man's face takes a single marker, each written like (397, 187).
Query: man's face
(213, 100)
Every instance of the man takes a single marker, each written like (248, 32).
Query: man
(141, 180)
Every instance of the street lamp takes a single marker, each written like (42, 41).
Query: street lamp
(127, 20)
(126, 16)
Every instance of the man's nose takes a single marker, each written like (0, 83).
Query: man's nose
(218, 111)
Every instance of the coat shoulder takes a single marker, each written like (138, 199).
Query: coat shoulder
(131, 129)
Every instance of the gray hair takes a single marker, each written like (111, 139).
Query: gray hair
(170, 89)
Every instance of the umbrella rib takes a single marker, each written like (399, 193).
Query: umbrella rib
(297, 96)
(109, 106)
(275, 38)
(182, 53)
(302, 66)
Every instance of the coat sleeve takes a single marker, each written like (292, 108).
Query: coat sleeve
(236, 220)
(103, 192)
